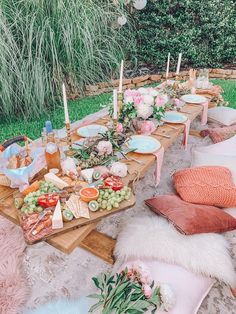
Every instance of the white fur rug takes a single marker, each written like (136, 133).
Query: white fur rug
(154, 238)
(53, 274)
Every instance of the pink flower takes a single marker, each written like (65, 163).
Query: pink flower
(147, 291)
(119, 128)
(177, 102)
(144, 111)
(161, 100)
(104, 147)
(147, 127)
(131, 93)
(138, 100)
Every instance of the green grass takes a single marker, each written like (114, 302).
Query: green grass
(229, 88)
(79, 109)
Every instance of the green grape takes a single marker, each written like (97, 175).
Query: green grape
(104, 206)
(122, 193)
(104, 202)
(109, 207)
(99, 200)
(127, 197)
(110, 190)
(116, 205)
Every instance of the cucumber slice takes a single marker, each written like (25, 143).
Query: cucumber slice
(93, 206)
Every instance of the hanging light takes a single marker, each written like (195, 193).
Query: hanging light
(122, 20)
(140, 4)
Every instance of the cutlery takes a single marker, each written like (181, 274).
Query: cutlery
(160, 134)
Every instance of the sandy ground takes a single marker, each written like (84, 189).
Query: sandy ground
(53, 274)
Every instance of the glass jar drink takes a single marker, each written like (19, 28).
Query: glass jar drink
(52, 153)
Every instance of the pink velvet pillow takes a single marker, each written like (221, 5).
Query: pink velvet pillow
(189, 289)
(191, 218)
(209, 185)
(219, 134)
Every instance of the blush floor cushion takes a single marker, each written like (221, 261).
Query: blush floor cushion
(189, 289)
(223, 115)
(211, 185)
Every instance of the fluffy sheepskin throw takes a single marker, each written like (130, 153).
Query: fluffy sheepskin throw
(155, 238)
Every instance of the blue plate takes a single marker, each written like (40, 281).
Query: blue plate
(91, 130)
(174, 117)
(193, 99)
(144, 144)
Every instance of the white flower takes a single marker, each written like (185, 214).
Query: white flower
(143, 90)
(153, 92)
(167, 297)
(119, 169)
(129, 99)
(148, 100)
(144, 111)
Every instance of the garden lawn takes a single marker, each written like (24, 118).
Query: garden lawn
(82, 107)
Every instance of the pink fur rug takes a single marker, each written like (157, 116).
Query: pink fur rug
(13, 285)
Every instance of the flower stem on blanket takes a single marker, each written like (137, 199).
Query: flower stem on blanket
(130, 289)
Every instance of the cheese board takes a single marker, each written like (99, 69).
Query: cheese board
(55, 205)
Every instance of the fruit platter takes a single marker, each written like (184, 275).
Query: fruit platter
(58, 203)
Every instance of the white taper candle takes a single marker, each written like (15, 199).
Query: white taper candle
(67, 120)
(179, 62)
(121, 75)
(168, 66)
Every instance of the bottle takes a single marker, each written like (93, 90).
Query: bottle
(52, 152)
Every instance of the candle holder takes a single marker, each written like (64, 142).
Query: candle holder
(70, 151)
(120, 102)
(177, 81)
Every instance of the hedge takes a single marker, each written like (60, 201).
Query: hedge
(204, 31)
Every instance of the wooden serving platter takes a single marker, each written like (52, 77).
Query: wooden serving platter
(9, 211)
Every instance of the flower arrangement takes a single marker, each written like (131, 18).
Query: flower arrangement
(131, 291)
(142, 104)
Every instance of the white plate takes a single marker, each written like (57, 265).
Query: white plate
(193, 99)
(91, 130)
(144, 144)
(174, 117)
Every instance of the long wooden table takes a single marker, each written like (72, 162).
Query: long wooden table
(86, 236)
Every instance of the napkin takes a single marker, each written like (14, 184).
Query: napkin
(186, 133)
(159, 160)
(204, 113)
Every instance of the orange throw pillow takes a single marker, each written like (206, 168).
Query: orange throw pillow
(191, 218)
(206, 185)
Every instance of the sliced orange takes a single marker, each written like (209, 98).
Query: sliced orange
(89, 194)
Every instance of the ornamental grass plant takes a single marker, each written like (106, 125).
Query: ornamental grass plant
(43, 43)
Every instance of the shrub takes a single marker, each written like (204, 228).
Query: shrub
(203, 30)
(44, 42)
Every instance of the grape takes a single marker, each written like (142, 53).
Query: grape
(102, 192)
(109, 207)
(127, 197)
(99, 200)
(122, 193)
(104, 206)
(116, 205)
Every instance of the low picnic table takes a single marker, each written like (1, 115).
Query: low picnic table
(86, 236)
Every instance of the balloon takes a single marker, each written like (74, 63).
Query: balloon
(140, 4)
(122, 20)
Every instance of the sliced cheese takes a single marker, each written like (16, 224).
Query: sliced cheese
(87, 175)
(57, 221)
(77, 207)
(59, 183)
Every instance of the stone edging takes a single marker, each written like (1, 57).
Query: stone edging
(139, 81)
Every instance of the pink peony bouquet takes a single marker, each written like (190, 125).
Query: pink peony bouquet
(131, 288)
